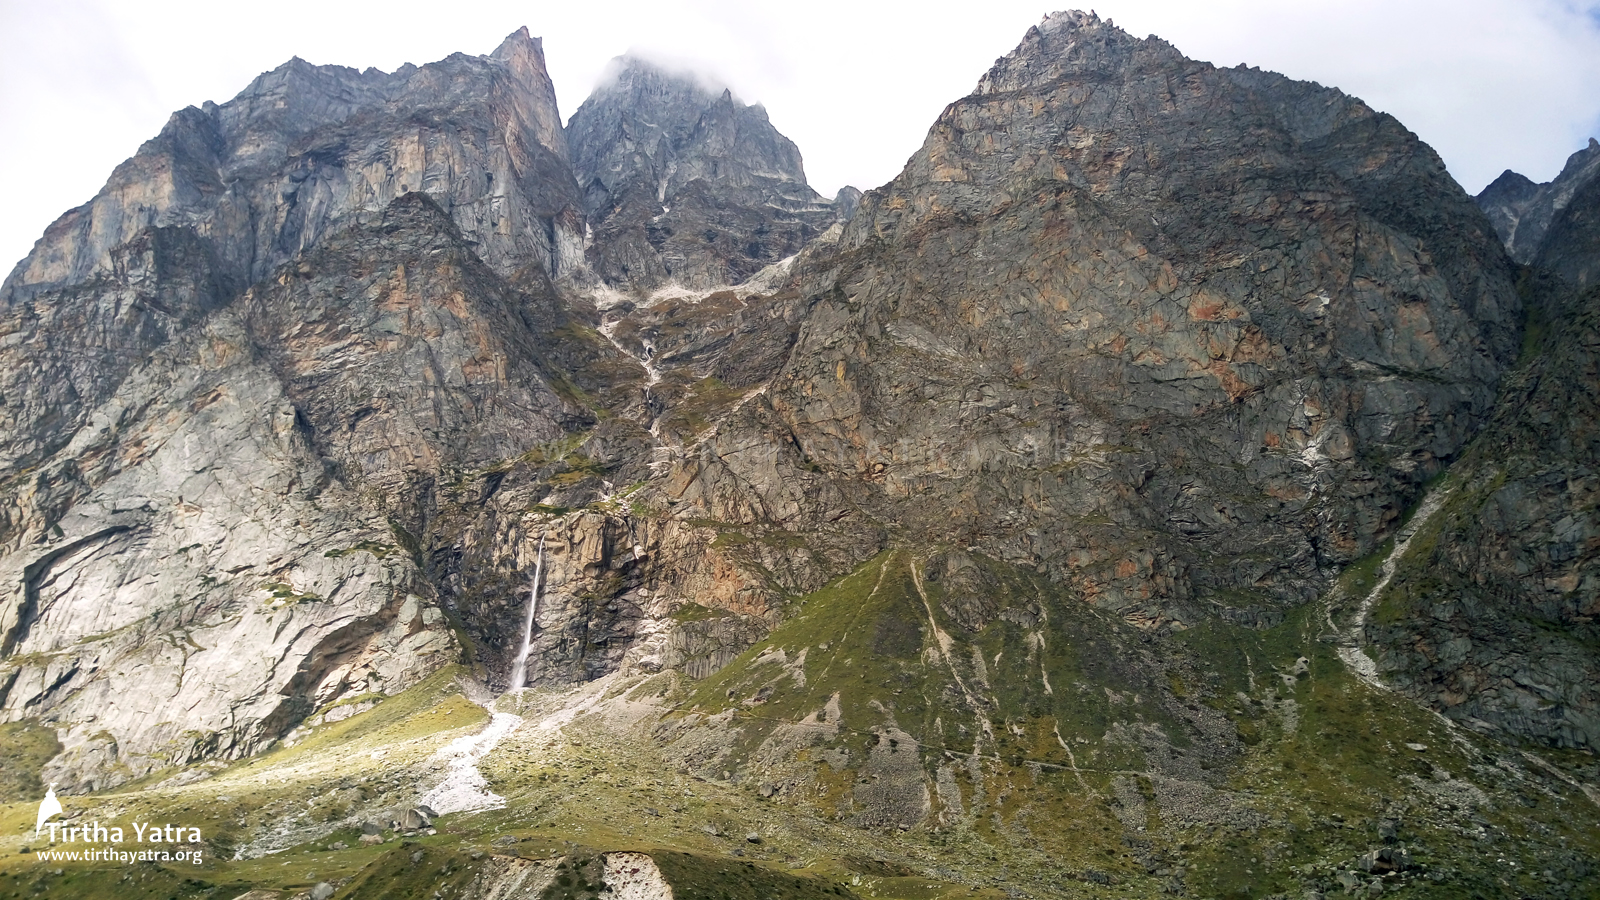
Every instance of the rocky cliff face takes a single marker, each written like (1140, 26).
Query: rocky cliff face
(684, 183)
(224, 546)
(1492, 618)
(1571, 247)
(306, 150)
(227, 194)
(208, 494)
(1188, 339)
(996, 521)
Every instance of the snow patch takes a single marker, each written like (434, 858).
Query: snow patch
(465, 789)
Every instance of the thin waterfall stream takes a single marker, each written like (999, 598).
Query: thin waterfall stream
(519, 672)
(1350, 647)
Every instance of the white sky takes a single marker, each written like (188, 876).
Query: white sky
(1491, 84)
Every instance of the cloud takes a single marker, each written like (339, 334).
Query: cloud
(696, 70)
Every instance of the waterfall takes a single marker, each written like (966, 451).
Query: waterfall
(519, 672)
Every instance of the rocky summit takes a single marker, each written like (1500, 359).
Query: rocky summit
(684, 184)
(1170, 484)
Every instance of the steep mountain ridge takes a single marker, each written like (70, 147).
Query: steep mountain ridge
(1491, 618)
(1000, 537)
(685, 184)
(1523, 212)
(1080, 332)
(305, 150)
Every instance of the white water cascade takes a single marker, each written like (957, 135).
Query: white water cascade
(519, 672)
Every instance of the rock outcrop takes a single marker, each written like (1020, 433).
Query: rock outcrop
(225, 544)
(684, 183)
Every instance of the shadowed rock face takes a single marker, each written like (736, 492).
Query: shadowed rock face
(1571, 247)
(1188, 338)
(683, 183)
(1523, 212)
(405, 355)
(1493, 621)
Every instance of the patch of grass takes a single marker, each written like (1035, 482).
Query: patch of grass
(1361, 576)
(1419, 578)
(434, 704)
(694, 875)
(28, 746)
(284, 594)
(729, 538)
(407, 541)
(98, 882)
(413, 871)
(381, 551)
(576, 468)
(707, 400)
(694, 612)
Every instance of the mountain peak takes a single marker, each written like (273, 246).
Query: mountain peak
(517, 43)
(1581, 160)
(1522, 211)
(636, 71)
(663, 149)
(1071, 18)
(1064, 43)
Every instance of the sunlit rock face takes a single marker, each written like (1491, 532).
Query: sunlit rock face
(1189, 338)
(224, 546)
(684, 183)
(227, 194)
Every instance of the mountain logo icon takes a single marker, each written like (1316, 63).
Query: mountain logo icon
(50, 806)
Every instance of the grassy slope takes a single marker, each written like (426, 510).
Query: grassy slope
(1299, 760)
(1321, 757)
